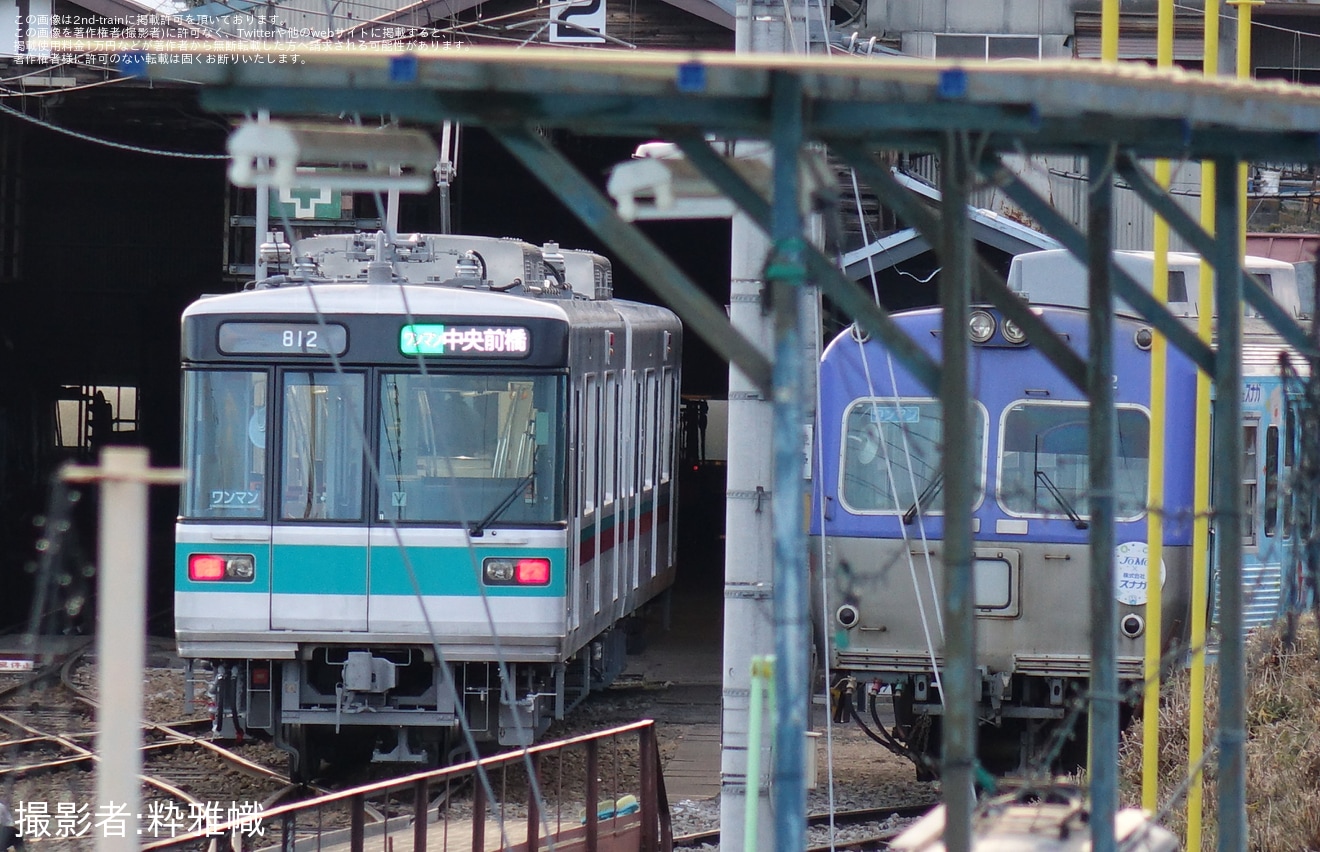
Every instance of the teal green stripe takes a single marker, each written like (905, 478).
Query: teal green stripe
(450, 571)
(301, 569)
(322, 569)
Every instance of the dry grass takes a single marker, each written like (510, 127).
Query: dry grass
(1283, 746)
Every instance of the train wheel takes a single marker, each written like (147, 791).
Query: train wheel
(305, 758)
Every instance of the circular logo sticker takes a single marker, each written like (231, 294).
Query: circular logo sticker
(1130, 559)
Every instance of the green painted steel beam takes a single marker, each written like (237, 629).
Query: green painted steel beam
(630, 246)
(851, 298)
(850, 119)
(988, 281)
(1253, 291)
(1060, 108)
(1125, 286)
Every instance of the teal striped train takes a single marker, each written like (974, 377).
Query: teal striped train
(431, 483)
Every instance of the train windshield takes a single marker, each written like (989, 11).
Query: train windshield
(1044, 464)
(891, 456)
(224, 444)
(471, 449)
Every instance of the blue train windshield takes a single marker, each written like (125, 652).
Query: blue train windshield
(224, 444)
(471, 448)
(1044, 465)
(891, 455)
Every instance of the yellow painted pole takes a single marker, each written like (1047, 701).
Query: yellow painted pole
(1243, 73)
(1159, 359)
(1201, 484)
(1109, 31)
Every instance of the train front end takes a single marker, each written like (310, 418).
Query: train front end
(373, 539)
(880, 526)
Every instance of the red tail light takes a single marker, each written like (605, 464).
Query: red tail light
(261, 676)
(532, 572)
(204, 567)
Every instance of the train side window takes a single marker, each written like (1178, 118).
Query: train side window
(1289, 459)
(1271, 480)
(609, 438)
(649, 430)
(224, 444)
(1250, 453)
(590, 443)
(667, 434)
(321, 457)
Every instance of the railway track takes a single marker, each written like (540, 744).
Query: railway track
(865, 828)
(47, 734)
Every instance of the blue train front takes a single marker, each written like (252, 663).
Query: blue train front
(878, 508)
(882, 516)
(424, 494)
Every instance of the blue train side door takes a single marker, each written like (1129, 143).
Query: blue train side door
(319, 543)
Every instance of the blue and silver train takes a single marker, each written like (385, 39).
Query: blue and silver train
(878, 511)
(431, 479)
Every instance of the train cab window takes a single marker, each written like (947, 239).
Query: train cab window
(891, 456)
(224, 444)
(321, 460)
(1177, 286)
(1044, 461)
(1267, 281)
(472, 449)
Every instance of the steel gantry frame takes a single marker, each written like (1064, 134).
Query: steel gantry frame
(969, 115)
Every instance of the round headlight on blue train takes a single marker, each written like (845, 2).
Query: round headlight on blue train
(1012, 333)
(980, 326)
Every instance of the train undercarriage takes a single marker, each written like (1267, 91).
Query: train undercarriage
(345, 705)
(1026, 723)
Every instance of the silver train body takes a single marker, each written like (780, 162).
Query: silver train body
(431, 484)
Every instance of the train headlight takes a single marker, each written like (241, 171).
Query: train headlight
(980, 326)
(212, 567)
(1143, 338)
(508, 571)
(1012, 333)
(847, 616)
(1132, 625)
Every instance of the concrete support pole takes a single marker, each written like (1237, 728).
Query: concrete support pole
(1102, 447)
(124, 474)
(748, 608)
(760, 26)
(961, 687)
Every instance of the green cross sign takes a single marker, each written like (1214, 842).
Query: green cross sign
(306, 203)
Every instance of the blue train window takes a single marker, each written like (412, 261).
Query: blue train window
(1044, 462)
(891, 455)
